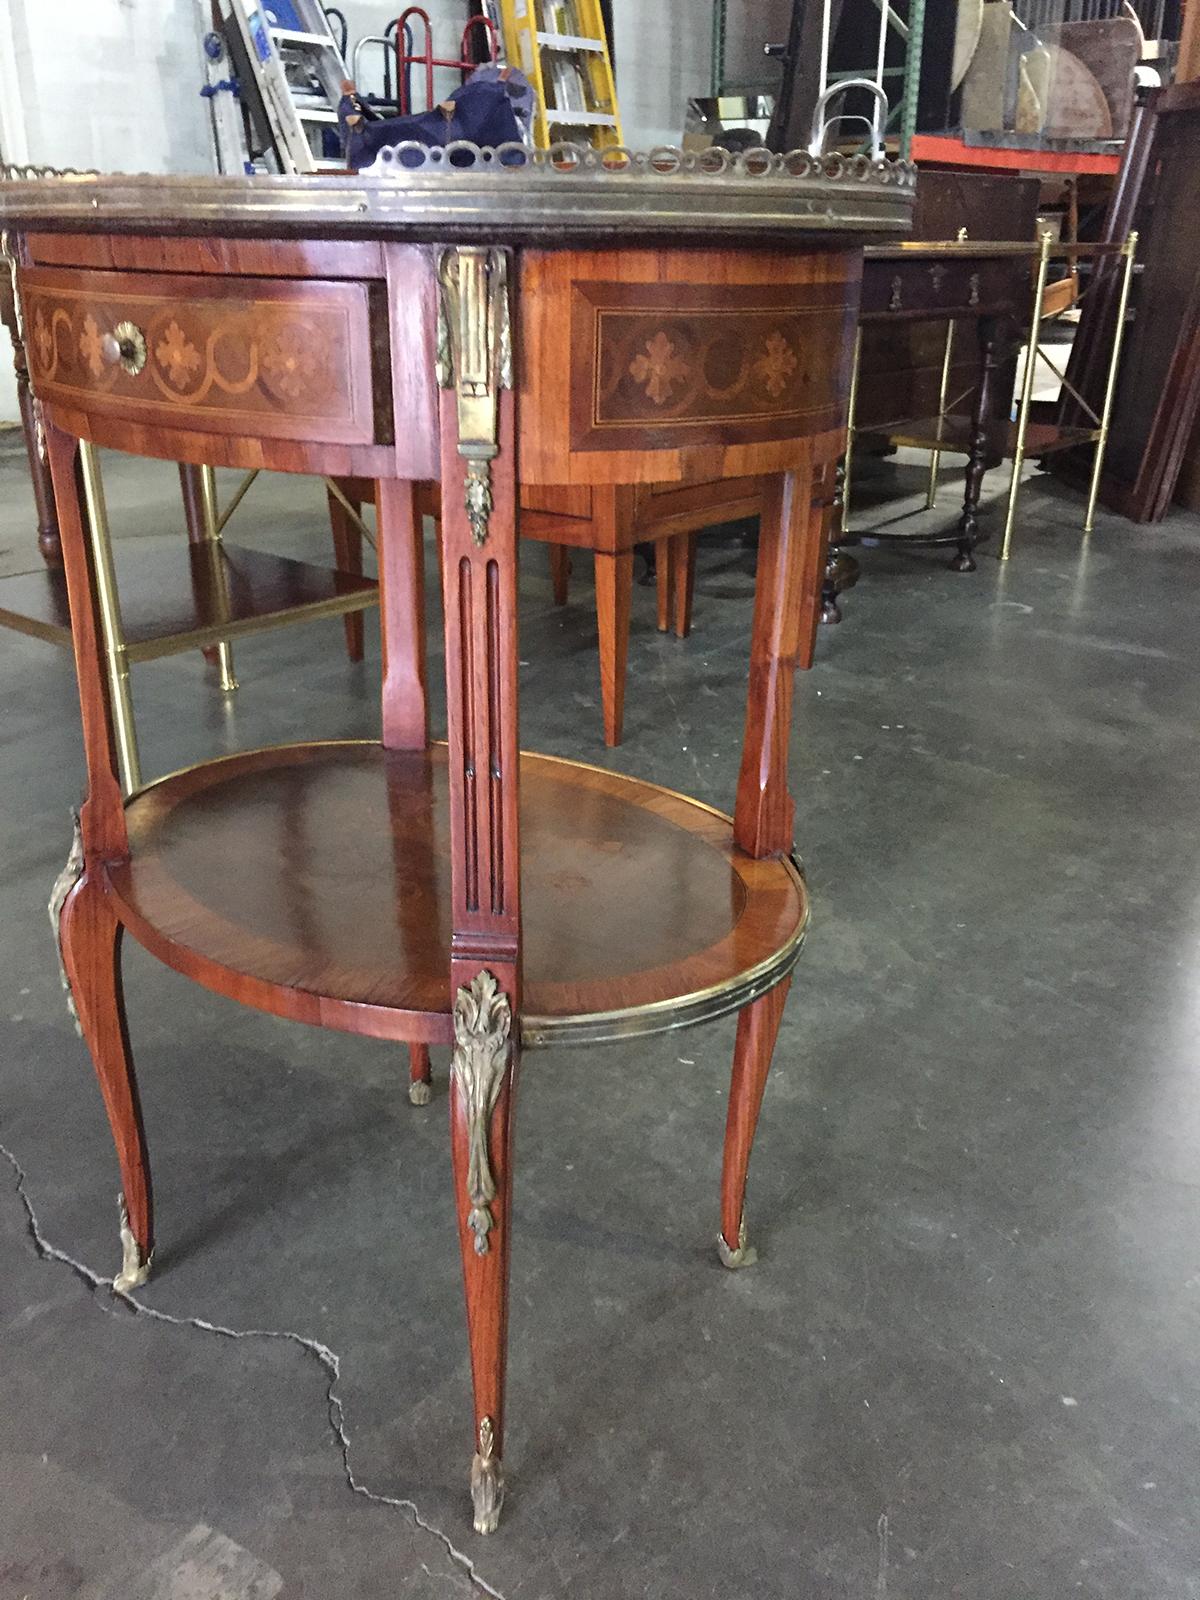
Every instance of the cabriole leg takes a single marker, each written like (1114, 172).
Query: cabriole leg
(89, 942)
(758, 1027)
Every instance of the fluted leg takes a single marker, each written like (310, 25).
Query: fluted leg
(758, 1027)
(90, 944)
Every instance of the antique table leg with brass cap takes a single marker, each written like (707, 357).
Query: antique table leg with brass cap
(416, 323)
(479, 575)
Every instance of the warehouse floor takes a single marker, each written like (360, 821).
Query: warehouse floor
(967, 1361)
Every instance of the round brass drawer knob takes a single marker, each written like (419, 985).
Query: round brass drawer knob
(125, 344)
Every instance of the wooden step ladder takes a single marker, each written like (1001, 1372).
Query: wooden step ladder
(562, 48)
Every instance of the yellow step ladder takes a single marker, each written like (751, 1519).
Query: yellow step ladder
(561, 47)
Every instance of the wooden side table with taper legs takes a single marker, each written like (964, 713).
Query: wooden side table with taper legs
(610, 320)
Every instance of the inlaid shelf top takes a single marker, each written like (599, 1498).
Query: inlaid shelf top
(508, 194)
(639, 913)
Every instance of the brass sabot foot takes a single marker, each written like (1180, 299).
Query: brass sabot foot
(744, 1256)
(135, 1268)
(420, 1093)
(487, 1481)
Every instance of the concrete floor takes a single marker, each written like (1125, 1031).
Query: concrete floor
(966, 1363)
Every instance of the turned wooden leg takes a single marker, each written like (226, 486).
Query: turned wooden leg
(560, 572)
(683, 549)
(664, 576)
(614, 591)
(482, 1090)
(89, 941)
(758, 1026)
(968, 523)
(420, 1072)
(348, 557)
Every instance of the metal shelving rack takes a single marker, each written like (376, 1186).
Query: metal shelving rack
(899, 20)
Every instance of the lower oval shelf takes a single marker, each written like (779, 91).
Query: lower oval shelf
(314, 881)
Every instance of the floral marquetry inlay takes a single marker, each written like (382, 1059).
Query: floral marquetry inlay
(91, 346)
(292, 360)
(176, 354)
(658, 368)
(43, 339)
(731, 359)
(776, 364)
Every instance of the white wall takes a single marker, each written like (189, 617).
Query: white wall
(663, 54)
(111, 84)
(114, 84)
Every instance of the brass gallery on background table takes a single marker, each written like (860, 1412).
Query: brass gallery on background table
(409, 326)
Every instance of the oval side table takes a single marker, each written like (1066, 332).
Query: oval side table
(631, 320)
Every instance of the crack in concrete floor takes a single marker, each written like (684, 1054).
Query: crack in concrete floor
(329, 1360)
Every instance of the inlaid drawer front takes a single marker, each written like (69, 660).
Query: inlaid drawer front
(285, 360)
(680, 364)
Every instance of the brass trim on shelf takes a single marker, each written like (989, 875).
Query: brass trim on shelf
(665, 1016)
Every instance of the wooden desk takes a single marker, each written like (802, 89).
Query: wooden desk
(909, 300)
(985, 288)
(627, 325)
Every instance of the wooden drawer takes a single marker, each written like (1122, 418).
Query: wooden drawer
(269, 358)
(665, 367)
(962, 286)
